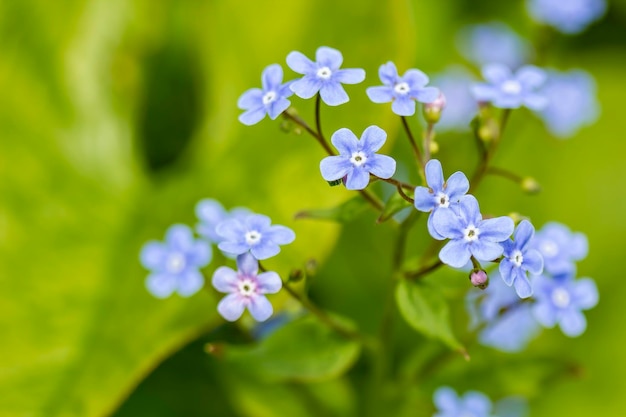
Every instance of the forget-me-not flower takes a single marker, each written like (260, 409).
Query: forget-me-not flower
(508, 90)
(323, 76)
(472, 403)
(561, 300)
(469, 234)
(461, 107)
(246, 288)
(519, 258)
(174, 263)
(439, 194)
(560, 248)
(253, 233)
(572, 102)
(493, 42)
(211, 213)
(567, 16)
(270, 100)
(403, 90)
(357, 158)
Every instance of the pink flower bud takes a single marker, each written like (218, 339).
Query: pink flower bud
(432, 111)
(479, 278)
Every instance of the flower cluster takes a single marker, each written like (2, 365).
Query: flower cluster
(475, 404)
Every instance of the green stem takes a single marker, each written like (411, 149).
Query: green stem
(428, 138)
(416, 152)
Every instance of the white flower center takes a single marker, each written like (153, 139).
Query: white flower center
(175, 263)
(560, 297)
(358, 158)
(511, 87)
(471, 233)
(401, 88)
(246, 287)
(324, 73)
(253, 237)
(443, 200)
(269, 97)
(549, 249)
(517, 258)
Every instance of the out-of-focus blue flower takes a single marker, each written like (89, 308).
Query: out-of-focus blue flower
(508, 90)
(572, 102)
(493, 42)
(507, 323)
(439, 194)
(519, 259)
(358, 158)
(246, 288)
(402, 91)
(323, 76)
(561, 300)
(461, 106)
(472, 403)
(270, 100)
(253, 233)
(211, 213)
(469, 234)
(174, 263)
(567, 16)
(560, 248)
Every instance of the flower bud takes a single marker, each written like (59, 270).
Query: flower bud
(432, 111)
(530, 186)
(434, 147)
(295, 275)
(479, 278)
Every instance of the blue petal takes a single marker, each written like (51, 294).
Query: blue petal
(269, 282)
(578, 246)
(210, 211)
(585, 293)
(497, 229)
(457, 186)
(544, 313)
(573, 323)
(434, 175)
(225, 279)
(496, 73)
(455, 253)
(427, 94)
(265, 250)
(357, 179)
(477, 403)
(345, 141)
(252, 117)
(277, 107)
(382, 166)
(485, 250)
(403, 106)
(388, 73)
(258, 222)
(200, 254)
(372, 139)
(531, 77)
(247, 265)
(424, 199)
(260, 308)
(470, 212)
(533, 262)
(505, 101)
(190, 282)
(431, 228)
(522, 285)
(448, 224)
(328, 57)
(446, 400)
(349, 75)
(483, 92)
(161, 285)
(298, 62)
(179, 236)
(500, 336)
(231, 307)
(272, 77)
(252, 98)
(506, 271)
(415, 78)
(306, 87)
(231, 230)
(535, 102)
(333, 94)
(334, 168)
(281, 235)
(523, 233)
(153, 255)
(380, 94)
(234, 248)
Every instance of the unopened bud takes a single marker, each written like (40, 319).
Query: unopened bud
(295, 275)
(479, 278)
(489, 130)
(434, 147)
(432, 111)
(214, 349)
(310, 267)
(530, 186)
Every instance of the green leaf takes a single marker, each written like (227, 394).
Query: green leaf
(395, 204)
(345, 212)
(425, 309)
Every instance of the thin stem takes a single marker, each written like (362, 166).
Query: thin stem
(403, 195)
(318, 119)
(414, 275)
(505, 174)
(371, 198)
(394, 182)
(297, 120)
(428, 137)
(416, 151)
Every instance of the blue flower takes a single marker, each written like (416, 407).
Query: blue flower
(511, 91)
(506, 323)
(469, 234)
(271, 100)
(323, 75)
(174, 263)
(570, 16)
(461, 107)
(472, 403)
(253, 233)
(246, 288)
(560, 248)
(519, 258)
(439, 194)
(560, 301)
(402, 91)
(211, 213)
(493, 42)
(357, 158)
(572, 102)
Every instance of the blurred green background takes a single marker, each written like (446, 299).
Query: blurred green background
(117, 116)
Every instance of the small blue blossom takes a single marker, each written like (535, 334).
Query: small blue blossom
(323, 76)
(572, 102)
(253, 233)
(493, 42)
(211, 213)
(439, 194)
(357, 158)
(174, 263)
(469, 234)
(270, 100)
(560, 248)
(570, 16)
(402, 91)
(560, 301)
(508, 90)
(519, 258)
(461, 106)
(246, 288)
(472, 403)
